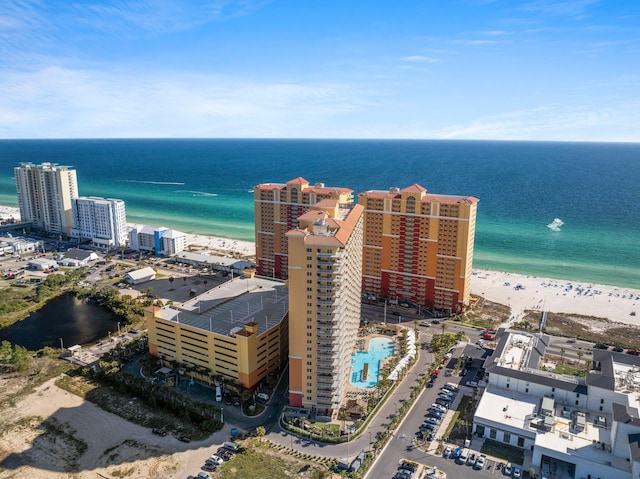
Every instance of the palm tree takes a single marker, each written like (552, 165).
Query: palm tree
(562, 351)
(171, 279)
(444, 326)
(260, 432)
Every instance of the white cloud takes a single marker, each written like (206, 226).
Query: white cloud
(58, 102)
(419, 59)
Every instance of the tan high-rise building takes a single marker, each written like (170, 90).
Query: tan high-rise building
(44, 196)
(325, 271)
(418, 246)
(277, 208)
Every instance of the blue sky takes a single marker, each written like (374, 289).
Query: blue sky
(451, 69)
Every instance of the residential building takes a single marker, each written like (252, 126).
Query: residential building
(103, 221)
(418, 246)
(44, 196)
(568, 426)
(277, 208)
(325, 269)
(234, 333)
(159, 240)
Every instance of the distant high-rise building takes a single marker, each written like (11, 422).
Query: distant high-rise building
(103, 221)
(44, 195)
(277, 208)
(418, 246)
(325, 270)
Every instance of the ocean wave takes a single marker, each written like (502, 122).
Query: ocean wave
(196, 193)
(154, 182)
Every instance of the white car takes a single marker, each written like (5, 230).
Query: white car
(216, 459)
(517, 472)
(447, 451)
(472, 384)
(480, 463)
(262, 396)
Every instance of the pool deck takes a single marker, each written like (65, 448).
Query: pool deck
(362, 395)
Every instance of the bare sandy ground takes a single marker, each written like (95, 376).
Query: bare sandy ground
(52, 434)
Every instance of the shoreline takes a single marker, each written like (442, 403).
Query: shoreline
(616, 303)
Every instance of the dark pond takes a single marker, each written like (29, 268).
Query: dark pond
(75, 321)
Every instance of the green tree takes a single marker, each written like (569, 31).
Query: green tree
(260, 432)
(171, 279)
(20, 358)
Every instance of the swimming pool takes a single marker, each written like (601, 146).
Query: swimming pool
(379, 348)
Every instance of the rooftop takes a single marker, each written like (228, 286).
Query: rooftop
(233, 304)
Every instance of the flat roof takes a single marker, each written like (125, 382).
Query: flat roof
(509, 408)
(233, 304)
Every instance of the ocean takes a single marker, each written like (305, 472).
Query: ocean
(203, 186)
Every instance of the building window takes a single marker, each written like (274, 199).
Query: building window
(508, 385)
(492, 433)
(526, 390)
(507, 437)
(577, 402)
(553, 390)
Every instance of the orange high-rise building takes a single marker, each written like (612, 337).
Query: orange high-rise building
(277, 208)
(418, 246)
(325, 271)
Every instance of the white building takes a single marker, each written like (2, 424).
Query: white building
(44, 195)
(103, 221)
(162, 241)
(573, 427)
(78, 257)
(140, 275)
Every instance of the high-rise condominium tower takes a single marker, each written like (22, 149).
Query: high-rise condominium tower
(325, 270)
(103, 221)
(44, 195)
(277, 208)
(418, 246)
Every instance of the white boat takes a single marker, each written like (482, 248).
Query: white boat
(555, 224)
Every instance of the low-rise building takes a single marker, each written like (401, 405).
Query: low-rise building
(42, 264)
(582, 428)
(140, 275)
(78, 257)
(159, 240)
(236, 332)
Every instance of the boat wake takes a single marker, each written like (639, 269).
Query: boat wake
(197, 193)
(555, 224)
(154, 182)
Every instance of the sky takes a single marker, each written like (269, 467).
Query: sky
(423, 69)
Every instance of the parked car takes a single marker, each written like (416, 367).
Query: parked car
(472, 384)
(262, 396)
(216, 458)
(443, 402)
(517, 472)
(471, 460)
(427, 427)
(451, 387)
(438, 407)
(432, 420)
(448, 451)
(203, 475)
(480, 462)
(436, 414)
(159, 431)
(507, 469)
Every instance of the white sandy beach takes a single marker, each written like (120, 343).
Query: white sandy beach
(559, 296)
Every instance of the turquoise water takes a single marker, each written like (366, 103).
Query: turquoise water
(201, 186)
(379, 348)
